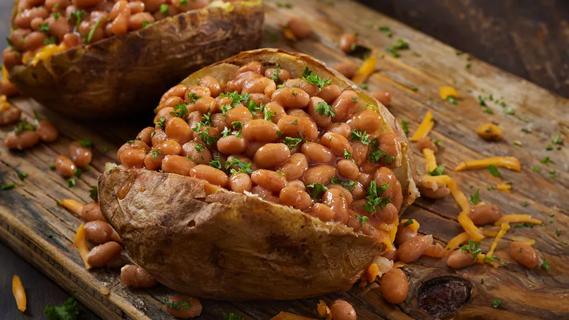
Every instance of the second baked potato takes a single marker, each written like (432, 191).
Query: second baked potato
(266, 176)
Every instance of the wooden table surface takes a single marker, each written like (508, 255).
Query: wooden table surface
(529, 39)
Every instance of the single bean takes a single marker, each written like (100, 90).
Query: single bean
(210, 174)
(348, 169)
(177, 90)
(238, 114)
(136, 6)
(240, 182)
(205, 104)
(153, 160)
(295, 167)
(91, 212)
(330, 93)
(345, 105)
(337, 143)
(295, 197)
(231, 145)
(342, 310)
(132, 158)
(270, 180)
(359, 191)
(322, 174)
(484, 213)
(179, 130)
(404, 234)
(134, 276)
(524, 254)
(384, 175)
(64, 166)
(271, 155)
(177, 164)
(431, 191)
(98, 232)
(388, 143)
(104, 253)
(322, 212)
(71, 40)
(394, 286)
(169, 146)
(341, 128)
(145, 135)
(459, 259)
(337, 201)
(34, 40)
(299, 28)
(260, 130)
(413, 249)
(80, 155)
(47, 131)
(348, 42)
(302, 127)
(316, 153)
(276, 111)
(291, 98)
(11, 57)
(218, 121)
(435, 250)
(253, 66)
(366, 120)
(317, 109)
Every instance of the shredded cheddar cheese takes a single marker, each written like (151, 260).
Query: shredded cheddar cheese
(504, 186)
(504, 227)
(71, 205)
(457, 241)
(430, 160)
(81, 245)
(447, 91)
(372, 272)
(4, 104)
(46, 52)
(19, 293)
(490, 232)
(424, 128)
(517, 218)
(4, 72)
(504, 162)
(366, 69)
(463, 217)
(323, 310)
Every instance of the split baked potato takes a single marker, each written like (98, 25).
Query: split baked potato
(97, 58)
(245, 187)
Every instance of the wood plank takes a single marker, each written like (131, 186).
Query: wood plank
(40, 231)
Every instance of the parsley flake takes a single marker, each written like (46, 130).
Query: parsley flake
(325, 109)
(348, 184)
(7, 186)
(496, 303)
(494, 171)
(315, 79)
(361, 136)
(347, 155)
(316, 190)
(472, 247)
(438, 171)
(374, 197)
(291, 142)
(475, 197)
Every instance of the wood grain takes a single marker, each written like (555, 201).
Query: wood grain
(34, 226)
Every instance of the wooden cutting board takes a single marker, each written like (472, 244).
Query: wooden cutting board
(33, 225)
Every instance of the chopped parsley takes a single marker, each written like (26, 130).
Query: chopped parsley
(360, 135)
(206, 120)
(496, 303)
(71, 182)
(180, 110)
(94, 193)
(438, 171)
(475, 197)
(44, 27)
(386, 30)
(347, 155)
(50, 40)
(22, 175)
(160, 123)
(86, 143)
(164, 9)
(206, 138)
(471, 247)
(291, 142)
(226, 132)
(494, 171)
(405, 127)
(452, 100)
(77, 17)
(7, 186)
(199, 147)
(374, 197)
(232, 316)
(362, 219)
(282, 4)
(236, 98)
(69, 310)
(275, 76)
(325, 109)
(408, 222)
(555, 143)
(546, 160)
(552, 174)
(56, 15)
(536, 168)
(316, 190)
(377, 155)
(216, 163)
(145, 24)
(268, 114)
(398, 46)
(236, 166)
(183, 2)
(315, 79)
(192, 96)
(348, 184)
(24, 125)
(182, 304)
(155, 153)
(92, 32)
(253, 106)
(545, 265)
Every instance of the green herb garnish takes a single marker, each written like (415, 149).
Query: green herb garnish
(315, 79)
(22, 175)
(160, 123)
(361, 136)
(236, 166)
(291, 142)
(325, 109)
(7, 186)
(44, 27)
(374, 197)
(92, 32)
(182, 304)
(475, 197)
(181, 111)
(164, 9)
(71, 182)
(472, 247)
(69, 310)
(438, 171)
(268, 114)
(316, 190)
(193, 97)
(86, 143)
(408, 222)
(362, 219)
(494, 171)
(94, 193)
(348, 184)
(347, 155)
(397, 46)
(77, 17)
(386, 30)
(216, 163)
(405, 127)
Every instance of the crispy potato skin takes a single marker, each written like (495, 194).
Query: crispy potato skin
(127, 74)
(233, 246)
(227, 245)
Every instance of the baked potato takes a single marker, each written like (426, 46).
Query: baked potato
(96, 58)
(272, 177)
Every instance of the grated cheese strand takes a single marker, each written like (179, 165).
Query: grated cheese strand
(430, 159)
(517, 218)
(463, 217)
(457, 241)
(424, 128)
(504, 162)
(81, 245)
(366, 68)
(504, 227)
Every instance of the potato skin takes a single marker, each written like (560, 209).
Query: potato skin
(200, 244)
(112, 77)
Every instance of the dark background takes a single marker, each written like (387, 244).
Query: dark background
(529, 38)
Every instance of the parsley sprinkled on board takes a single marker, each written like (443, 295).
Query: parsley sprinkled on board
(545, 265)
(22, 175)
(71, 182)
(86, 143)
(69, 310)
(386, 30)
(24, 125)
(316, 190)
(315, 79)
(7, 186)
(164, 9)
(494, 171)
(94, 193)
(405, 127)
(475, 197)
(397, 46)
(232, 316)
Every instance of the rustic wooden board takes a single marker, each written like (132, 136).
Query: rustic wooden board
(32, 224)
